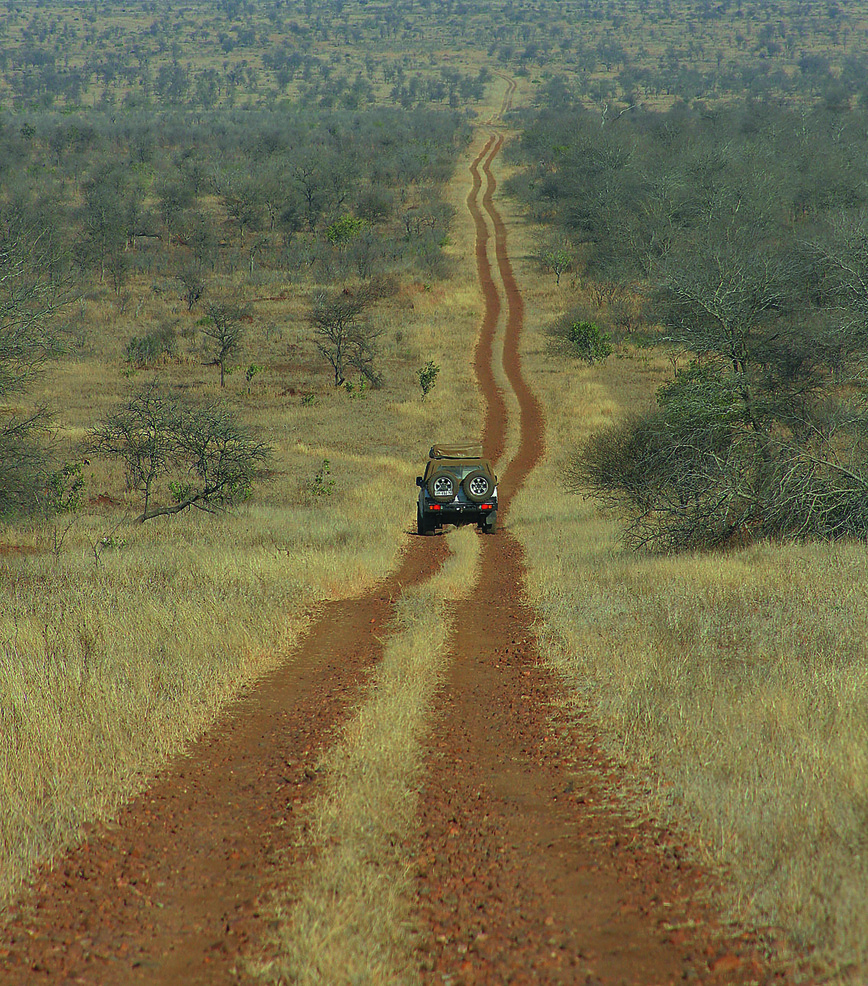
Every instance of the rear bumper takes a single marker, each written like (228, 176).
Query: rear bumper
(458, 512)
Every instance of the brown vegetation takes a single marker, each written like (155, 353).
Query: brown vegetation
(731, 685)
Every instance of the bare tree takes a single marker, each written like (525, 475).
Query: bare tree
(173, 200)
(224, 327)
(244, 207)
(104, 220)
(754, 438)
(343, 336)
(194, 457)
(725, 295)
(842, 267)
(192, 280)
(31, 293)
(308, 177)
(142, 435)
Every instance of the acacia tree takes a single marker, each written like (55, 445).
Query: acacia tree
(177, 456)
(342, 335)
(244, 207)
(308, 177)
(842, 272)
(724, 294)
(223, 325)
(142, 435)
(192, 281)
(557, 257)
(106, 220)
(753, 438)
(173, 199)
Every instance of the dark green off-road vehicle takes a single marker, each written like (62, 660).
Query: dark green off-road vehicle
(458, 487)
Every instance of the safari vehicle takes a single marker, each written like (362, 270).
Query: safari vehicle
(458, 487)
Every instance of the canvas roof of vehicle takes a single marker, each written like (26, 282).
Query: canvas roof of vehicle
(468, 450)
(460, 466)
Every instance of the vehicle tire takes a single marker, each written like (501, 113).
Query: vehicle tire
(477, 486)
(422, 525)
(442, 487)
(490, 523)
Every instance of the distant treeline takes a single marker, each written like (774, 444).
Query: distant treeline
(171, 194)
(204, 55)
(354, 53)
(627, 186)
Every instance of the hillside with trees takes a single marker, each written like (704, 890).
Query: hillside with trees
(734, 237)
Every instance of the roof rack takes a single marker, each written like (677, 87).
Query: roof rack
(470, 450)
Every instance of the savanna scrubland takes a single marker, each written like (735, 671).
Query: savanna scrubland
(123, 638)
(708, 477)
(685, 180)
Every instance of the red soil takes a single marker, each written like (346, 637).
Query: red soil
(528, 869)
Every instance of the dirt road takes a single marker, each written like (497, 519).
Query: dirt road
(172, 892)
(526, 868)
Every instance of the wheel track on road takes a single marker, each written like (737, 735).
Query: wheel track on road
(175, 890)
(527, 870)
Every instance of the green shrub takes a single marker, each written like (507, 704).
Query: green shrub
(428, 376)
(588, 341)
(64, 488)
(322, 484)
(344, 229)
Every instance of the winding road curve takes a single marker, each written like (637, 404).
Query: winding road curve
(528, 870)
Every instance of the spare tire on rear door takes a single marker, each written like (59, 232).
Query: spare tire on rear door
(477, 486)
(442, 487)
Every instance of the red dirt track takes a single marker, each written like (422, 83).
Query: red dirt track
(172, 892)
(527, 869)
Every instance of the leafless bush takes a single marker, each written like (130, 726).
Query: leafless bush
(201, 456)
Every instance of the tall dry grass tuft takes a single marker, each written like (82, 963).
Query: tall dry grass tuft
(105, 670)
(347, 919)
(733, 685)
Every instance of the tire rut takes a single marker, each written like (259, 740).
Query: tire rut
(527, 869)
(172, 891)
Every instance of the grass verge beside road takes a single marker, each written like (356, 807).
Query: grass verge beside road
(733, 685)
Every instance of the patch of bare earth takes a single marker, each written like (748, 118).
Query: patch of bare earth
(528, 868)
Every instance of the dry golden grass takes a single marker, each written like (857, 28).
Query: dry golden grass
(347, 920)
(122, 644)
(734, 685)
(105, 670)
